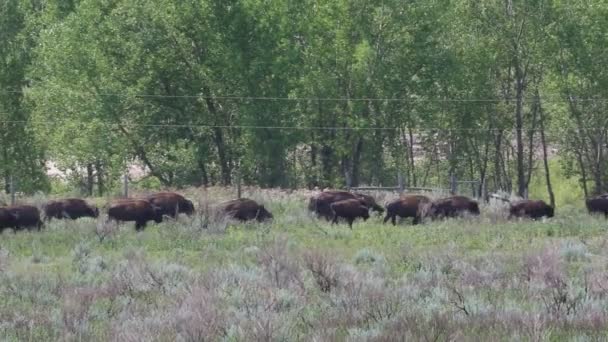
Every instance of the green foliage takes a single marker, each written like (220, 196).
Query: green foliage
(292, 94)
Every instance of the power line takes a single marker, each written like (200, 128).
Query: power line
(319, 128)
(554, 97)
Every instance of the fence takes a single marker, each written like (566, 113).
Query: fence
(453, 189)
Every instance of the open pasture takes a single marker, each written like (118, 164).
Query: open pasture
(299, 278)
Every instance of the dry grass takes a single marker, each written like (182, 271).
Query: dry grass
(298, 278)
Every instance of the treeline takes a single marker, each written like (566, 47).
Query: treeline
(304, 93)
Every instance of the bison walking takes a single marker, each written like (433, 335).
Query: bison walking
(7, 219)
(350, 210)
(171, 203)
(533, 209)
(24, 216)
(407, 206)
(321, 203)
(598, 205)
(69, 208)
(139, 211)
(244, 209)
(452, 207)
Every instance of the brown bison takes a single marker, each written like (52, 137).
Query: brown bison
(350, 209)
(7, 219)
(69, 208)
(598, 204)
(452, 207)
(24, 216)
(533, 209)
(171, 203)
(320, 204)
(407, 206)
(139, 211)
(244, 209)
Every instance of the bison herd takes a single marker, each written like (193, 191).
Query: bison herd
(332, 205)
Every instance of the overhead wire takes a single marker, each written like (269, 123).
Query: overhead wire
(416, 98)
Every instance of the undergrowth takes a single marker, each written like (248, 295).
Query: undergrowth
(299, 278)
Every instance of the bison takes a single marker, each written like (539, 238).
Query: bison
(171, 203)
(139, 211)
(349, 209)
(598, 204)
(407, 206)
(320, 204)
(24, 216)
(70, 208)
(244, 209)
(7, 219)
(533, 209)
(452, 207)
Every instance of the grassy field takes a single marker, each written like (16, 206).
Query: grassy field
(299, 278)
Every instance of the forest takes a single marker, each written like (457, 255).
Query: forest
(307, 93)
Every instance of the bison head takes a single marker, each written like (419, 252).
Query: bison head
(157, 214)
(474, 208)
(94, 211)
(365, 213)
(187, 207)
(263, 214)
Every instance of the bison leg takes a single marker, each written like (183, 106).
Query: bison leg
(350, 222)
(388, 216)
(416, 220)
(139, 225)
(334, 220)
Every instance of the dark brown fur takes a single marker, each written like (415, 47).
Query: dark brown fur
(598, 204)
(245, 209)
(70, 208)
(533, 209)
(370, 202)
(452, 207)
(139, 211)
(320, 203)
(171, 203)
(349, 209)
(7, 219)
(25, 216)
(407, 206)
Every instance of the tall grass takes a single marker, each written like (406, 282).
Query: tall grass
(299, 278)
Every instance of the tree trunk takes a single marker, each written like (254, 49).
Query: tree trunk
(7, 184)
(356, 163)
(581, 164)
(218, 139)
(101, 187)
(204, 175)
(522, 189)
(531, 144)
(545, 157)
(599, 163)
(411, 155)
(90, 179)
(326, 163)
(497, 159)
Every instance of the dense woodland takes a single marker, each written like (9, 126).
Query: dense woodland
(283, 93)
